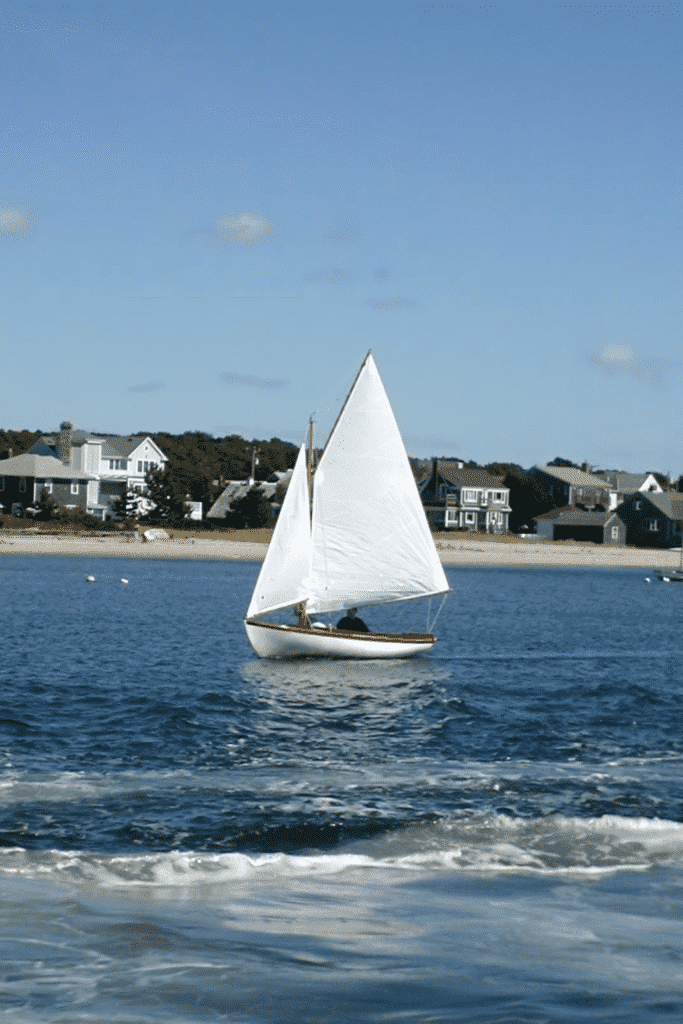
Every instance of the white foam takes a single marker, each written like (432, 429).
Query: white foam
(553, 846)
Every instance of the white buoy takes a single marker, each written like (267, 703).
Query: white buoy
(124, 581)
(647, 579)
(89, 579)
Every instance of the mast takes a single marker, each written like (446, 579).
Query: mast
(310, 468)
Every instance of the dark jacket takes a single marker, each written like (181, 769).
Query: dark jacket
(352, 625)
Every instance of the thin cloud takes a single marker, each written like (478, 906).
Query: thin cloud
(144, 389)
(16, 221)
(246, 228)
(623, 360)
(327, 275)
(344, 234)
(247, 381)
(390, 305)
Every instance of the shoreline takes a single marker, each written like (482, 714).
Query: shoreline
(452, 552)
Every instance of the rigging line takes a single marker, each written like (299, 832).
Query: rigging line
(443, 601)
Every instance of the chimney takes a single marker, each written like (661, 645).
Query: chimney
(64, 443)
(586, 467)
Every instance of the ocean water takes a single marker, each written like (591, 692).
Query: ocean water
(489, 834)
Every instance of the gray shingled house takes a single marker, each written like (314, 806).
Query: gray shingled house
(455, 497)
(79, 470)
(653, 520)
(23, 477)
(622, 485)
(572, 523)
(569, 486)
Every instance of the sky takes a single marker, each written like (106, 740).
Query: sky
(209, 212)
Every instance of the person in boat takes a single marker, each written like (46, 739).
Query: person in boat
(302, 618)
(351, 623)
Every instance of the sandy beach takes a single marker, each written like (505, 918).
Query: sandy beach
(474, 551)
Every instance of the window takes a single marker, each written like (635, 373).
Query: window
(615, 533)
(637, 505)
(652, 525)
(498, 496)
(22, 485)
(470, 496)
(146, 465)
(48, 486)
(74, 486)
(139, 467)
(470, 517)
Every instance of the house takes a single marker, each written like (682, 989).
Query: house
(569, 486)
(623, 484)
(79, 470)
(275, 486)
(466, 499)
(572, 523)
(23, 477)
(653, 519)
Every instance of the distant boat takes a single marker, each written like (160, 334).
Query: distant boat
(353, 534)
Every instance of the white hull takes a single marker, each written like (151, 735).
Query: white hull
(274, 641)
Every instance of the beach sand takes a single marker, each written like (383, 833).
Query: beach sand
(474, 551)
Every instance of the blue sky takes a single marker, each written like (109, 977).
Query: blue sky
(210, 212)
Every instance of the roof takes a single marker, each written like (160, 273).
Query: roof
(279, 476)
(236, 489)
(668, 502)
(78, 437)
(574, 477)
(121, 447)
(578, 516)
(467, 477)
(625, 483)
(114, 446)
(41, 465)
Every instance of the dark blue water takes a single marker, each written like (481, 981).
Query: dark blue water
(490, 833)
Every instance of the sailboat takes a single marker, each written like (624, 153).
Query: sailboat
(353, 534)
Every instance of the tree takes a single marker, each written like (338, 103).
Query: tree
(46, 505)
(250, 512)
(166, 490)
(527, 500)
(128, 506)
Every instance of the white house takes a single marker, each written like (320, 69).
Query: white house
(110, 463)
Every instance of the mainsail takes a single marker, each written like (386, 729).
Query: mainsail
(287, 562)
(371, 543)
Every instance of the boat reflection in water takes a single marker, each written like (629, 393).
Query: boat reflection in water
(338, 709)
